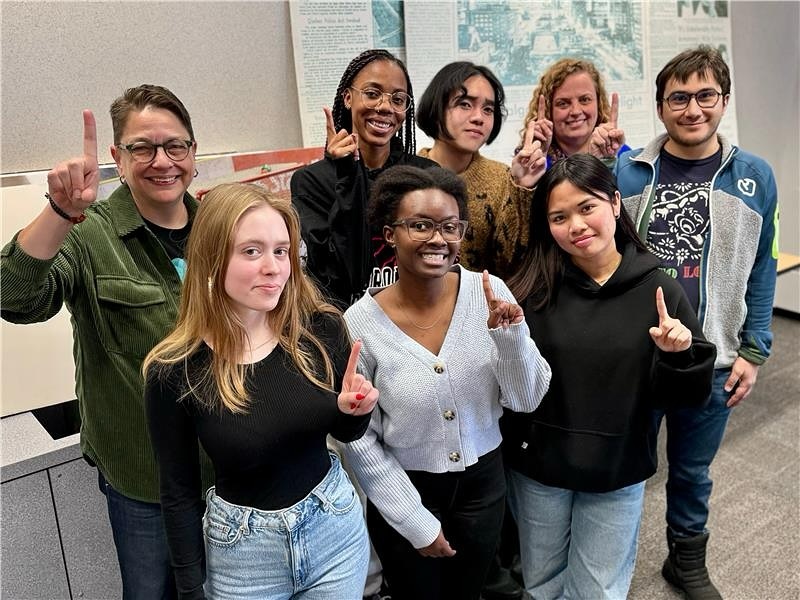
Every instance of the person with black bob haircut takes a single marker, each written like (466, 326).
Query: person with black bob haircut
(622, 339)
(448, 348)
(462, 109)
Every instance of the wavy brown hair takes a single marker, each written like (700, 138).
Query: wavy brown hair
(207, 313)
(552, 79)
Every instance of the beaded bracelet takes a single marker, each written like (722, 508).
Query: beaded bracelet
(74, 220)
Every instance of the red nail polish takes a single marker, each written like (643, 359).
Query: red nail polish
(360, 396)
(353, 405)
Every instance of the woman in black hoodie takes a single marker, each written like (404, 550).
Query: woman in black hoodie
(621, 339)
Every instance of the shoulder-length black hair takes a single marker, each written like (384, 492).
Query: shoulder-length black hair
(432, 110)
(543, 260)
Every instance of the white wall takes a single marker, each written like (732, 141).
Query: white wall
(766, 54)
(229, 62)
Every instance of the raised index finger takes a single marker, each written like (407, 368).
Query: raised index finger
(352, 362)
(89, 136)
(541, 110)
(487, 289)
(661, 305)
(614, 110)
(329, 126)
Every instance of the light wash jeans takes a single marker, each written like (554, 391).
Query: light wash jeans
(575, 545)
(316, 549)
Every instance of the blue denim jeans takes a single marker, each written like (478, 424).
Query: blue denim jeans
(693, 438)
(316, 549)
(575, 545)
(141, 543)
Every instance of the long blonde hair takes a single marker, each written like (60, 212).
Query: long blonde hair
(552, 79)
(207, 313)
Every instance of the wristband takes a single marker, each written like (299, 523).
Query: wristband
(57, 209)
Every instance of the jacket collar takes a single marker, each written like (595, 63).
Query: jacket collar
(125, 216)
(651, 152)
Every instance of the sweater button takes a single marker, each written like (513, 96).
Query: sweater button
(439, 368)
(449, 415)
(454, 456)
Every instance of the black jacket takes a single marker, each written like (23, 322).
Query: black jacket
(593, 430)
(331, 198)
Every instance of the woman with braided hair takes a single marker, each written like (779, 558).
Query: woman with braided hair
(369, 128)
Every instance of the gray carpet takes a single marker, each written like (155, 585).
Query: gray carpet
(754, 548)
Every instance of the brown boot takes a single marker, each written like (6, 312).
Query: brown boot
(685, 567)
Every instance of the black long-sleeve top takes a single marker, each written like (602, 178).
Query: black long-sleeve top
(593, 430)
(268, 458)
(331, 198)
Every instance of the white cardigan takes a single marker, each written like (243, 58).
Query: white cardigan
(437, 413)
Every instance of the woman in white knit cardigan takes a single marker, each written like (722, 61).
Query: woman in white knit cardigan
(448, 348)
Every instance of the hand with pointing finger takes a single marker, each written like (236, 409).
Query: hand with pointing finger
(501, 313)
(73, 184)
(530, 163)
(542, 126)
(357, 397)
(339, 144)
(607, 138)
(670, 335)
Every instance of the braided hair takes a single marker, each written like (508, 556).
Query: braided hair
(343, 118)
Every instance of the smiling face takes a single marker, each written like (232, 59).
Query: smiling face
(162, 181)
(470, 116)
(424, 259)
(583, 225)
(376, 126)
(693, 130)
(574, 112)
(259, 263)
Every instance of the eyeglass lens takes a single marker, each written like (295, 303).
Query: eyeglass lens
(423, 230)
(146, 152)
(372, 97)
(704, 98)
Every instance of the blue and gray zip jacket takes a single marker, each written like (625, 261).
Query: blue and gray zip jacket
(740, 256)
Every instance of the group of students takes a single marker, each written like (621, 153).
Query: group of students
(519, 332)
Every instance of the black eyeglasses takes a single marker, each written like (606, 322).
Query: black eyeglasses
(423, 230)
(145, 152)
(372, 98)
(704, 98)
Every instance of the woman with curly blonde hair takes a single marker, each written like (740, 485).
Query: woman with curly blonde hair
(571, 113)
(257, 371)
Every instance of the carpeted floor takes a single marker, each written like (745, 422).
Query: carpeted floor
(754, 548)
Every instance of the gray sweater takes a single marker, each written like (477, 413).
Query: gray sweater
(437, 413)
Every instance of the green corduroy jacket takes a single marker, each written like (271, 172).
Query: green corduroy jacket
(122, 291)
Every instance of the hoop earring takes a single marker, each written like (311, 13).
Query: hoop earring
(196, 172)
(122, 179)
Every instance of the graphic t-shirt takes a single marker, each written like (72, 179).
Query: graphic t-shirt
(680, 217)
(174, 244)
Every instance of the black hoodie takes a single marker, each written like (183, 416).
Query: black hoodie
(593, 430)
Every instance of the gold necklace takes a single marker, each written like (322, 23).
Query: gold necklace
(417, 325)
(261, 345)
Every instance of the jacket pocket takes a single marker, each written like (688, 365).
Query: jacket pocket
(133, 315)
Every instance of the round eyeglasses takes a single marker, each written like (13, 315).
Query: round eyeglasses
(704, 99)
(145, 152)
(372, 97)
(423, 230)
